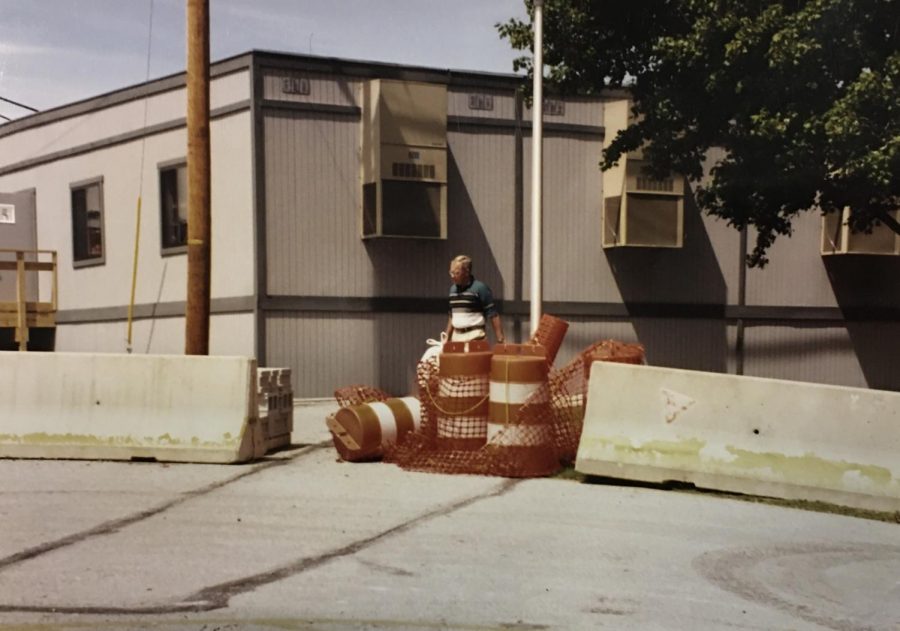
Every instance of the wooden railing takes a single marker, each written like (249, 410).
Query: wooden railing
(22, 313)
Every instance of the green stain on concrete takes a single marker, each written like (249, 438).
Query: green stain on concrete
(810, 469)
(807, 469)
(683, 454)
(90, 440)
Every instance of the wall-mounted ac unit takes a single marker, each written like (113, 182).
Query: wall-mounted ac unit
(638, 210)
(404, 160)
(837, 237)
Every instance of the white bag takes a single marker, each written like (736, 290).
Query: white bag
(434, 348)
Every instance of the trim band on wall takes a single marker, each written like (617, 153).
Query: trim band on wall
(137, 134)
(752, 315)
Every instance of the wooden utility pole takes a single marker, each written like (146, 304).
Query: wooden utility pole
(198, 166)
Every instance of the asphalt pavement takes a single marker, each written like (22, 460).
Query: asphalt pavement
(301, 540)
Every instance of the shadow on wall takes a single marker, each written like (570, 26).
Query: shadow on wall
(417, 269)
(867, 289)
(676, 298)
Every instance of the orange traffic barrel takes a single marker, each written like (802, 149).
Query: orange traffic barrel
(361, 432)
(462, 401)
(549, 334)
(519, 430)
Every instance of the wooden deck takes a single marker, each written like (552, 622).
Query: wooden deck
(22, 314)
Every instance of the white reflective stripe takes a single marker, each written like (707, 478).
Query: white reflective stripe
(415, 408)
(386, 420)
(512, 393)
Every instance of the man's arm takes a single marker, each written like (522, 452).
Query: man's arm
(498, 329)
(449, 329)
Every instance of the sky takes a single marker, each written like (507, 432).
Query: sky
(54, 52)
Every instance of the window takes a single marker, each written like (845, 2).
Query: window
(173, 205)
(87, 223)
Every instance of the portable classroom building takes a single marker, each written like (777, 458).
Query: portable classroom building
(341, 190)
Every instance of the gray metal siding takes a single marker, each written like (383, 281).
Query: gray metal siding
(324, 89)
(823, 355)
(578, 111)
(574, 267)
(693, 344)
(796, 274)
(312, 215)
(705, 271)
(481, 197)
(680, 303)
(504, 103)
(330, 350)
(861, 354)
(312, 198)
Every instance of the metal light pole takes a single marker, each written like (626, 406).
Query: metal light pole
(537, 172)
(198, 164)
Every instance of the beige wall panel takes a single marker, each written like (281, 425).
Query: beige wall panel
(327, 351)
(229, 334)
(796, 274)
(116, 120)
(326, 89)
(160, 278)
(504, 102)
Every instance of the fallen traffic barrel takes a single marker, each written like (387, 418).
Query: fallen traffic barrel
(461, 405)
(519, 430)
(361, 432)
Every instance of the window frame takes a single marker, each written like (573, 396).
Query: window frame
(85, 184)
(167, 165)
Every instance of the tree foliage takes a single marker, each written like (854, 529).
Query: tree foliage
(802, 96)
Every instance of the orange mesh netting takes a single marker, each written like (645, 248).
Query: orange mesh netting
(356, 395)
(532, 439)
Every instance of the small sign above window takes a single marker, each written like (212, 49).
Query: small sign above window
(7, 213)
(481, 102)
(554, 107)
(295, 85)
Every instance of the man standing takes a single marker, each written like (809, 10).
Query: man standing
(471, 305)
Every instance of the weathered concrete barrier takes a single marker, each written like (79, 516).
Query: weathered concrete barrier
(120, 407)
(745, 434)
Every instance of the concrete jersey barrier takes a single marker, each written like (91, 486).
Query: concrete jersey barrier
(744, 434)
(119, 407)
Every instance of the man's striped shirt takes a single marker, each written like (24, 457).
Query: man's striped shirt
(471, 305)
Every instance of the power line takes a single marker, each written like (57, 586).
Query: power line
(5, 117)
(22, 105)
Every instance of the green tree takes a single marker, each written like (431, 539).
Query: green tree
(803, 96)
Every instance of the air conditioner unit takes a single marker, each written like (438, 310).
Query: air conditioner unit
(837, 238)
(404, 160)
(638, 210)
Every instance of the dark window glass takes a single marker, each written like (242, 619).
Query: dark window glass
(87, 222)
(173, 202)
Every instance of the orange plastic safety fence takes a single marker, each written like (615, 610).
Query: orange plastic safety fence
(357, 395)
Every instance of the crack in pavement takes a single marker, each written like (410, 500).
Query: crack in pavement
(114, 525)
(217, 596)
